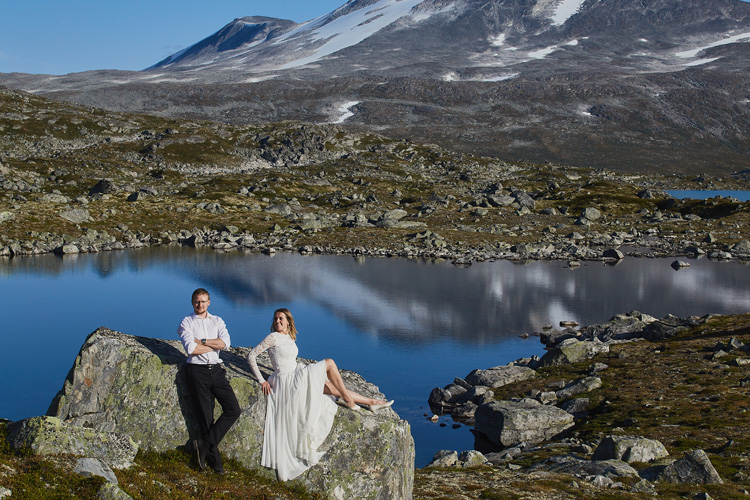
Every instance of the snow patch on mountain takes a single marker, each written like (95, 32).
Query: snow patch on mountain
(565, 10)
(700, 62)
(743, 37)
(454, 77)
(497, 41)
(498, 78)
(351, 29)
(544, 52)
(345, 110)
(423, 15)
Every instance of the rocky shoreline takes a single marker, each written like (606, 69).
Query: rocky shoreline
(549, 428)
(423, 244)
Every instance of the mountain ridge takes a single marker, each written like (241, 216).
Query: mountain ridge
(620, 84)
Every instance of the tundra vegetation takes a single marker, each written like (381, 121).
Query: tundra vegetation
(102, 180)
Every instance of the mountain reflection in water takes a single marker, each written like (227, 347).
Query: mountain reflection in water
(405, 325)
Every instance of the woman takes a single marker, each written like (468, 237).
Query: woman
(299, 415)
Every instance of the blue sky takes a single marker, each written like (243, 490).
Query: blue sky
(58, 37)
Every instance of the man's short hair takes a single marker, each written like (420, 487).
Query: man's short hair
(200, 291)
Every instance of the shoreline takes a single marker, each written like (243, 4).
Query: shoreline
(231, 239)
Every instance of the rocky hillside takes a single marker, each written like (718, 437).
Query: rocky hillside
(620, 84)
(76, 179)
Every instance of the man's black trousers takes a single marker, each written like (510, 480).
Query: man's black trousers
(206, 383)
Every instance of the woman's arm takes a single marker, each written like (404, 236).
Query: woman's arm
(267, 342)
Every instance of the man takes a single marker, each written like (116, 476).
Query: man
(203, 335)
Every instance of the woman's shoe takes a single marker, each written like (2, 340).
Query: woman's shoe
(343, 404)
(381, 406)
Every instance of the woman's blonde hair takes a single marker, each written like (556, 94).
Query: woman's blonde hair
(289, 318)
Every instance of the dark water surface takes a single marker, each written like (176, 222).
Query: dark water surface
(704, 194)
(406, 326)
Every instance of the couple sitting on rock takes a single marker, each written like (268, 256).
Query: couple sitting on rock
(301, 399)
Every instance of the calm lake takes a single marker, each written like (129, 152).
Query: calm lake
(406, 326)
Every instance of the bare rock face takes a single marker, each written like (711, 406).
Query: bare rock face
(137, 387)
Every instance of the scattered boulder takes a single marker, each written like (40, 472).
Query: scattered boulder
(668, 327)
(630, 449)
(694, 468)
(576, 406)
(524, 200)
(444, 458)
(104, 186)
(471, 458)
(613, 253)
(619, 327)
(573, 351)
(55, 198)
(580, 386)
(591, 213)
(212, 207)
(500, 376)
(509, 423)
(76, 215)
(111, 491)
(89, 467)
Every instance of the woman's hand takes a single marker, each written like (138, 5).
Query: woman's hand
(266, 388)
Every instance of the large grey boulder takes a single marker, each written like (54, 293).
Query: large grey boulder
(630, 449)
(500, 376)
(50, 436)
(573, 351)
(509, 423)
(76, 215)
(136, 386)
(694, 468)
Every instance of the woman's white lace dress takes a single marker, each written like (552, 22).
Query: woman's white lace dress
(298, 415)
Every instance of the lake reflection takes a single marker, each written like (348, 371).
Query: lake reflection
(406, 326)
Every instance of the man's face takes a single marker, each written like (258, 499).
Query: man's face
(201, 303)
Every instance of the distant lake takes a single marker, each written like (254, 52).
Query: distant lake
(706, 194)
(406, 326)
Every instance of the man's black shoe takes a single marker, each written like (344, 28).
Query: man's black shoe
(201, 450)
(219, 470)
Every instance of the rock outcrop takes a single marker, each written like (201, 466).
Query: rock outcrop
(136, 387)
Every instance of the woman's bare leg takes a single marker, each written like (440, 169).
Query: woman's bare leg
(335, 387)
